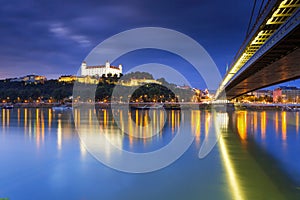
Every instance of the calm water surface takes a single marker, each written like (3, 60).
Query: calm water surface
(257, 156)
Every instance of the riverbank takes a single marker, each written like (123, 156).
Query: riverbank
(166, 105)
(267, 106)
(107, 105)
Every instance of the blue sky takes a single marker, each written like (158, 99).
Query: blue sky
(52, 38)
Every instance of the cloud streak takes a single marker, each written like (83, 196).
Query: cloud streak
(61, 31)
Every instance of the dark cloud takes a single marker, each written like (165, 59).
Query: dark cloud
(53, 37)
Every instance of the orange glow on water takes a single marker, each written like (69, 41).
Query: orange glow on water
(37, 127)
(173, 120)
(255, 122)
(105, 118)
(207, 121)
(242, 124)
(198, 129)
(43, 126)
(3, 118)
(263, 124)
(25, 119)
(297, 122)
(7, 117)
(49, 118)
(19, 115)
(276, 123)
(59, 134)
(283, 125)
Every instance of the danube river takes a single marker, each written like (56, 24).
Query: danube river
(256, 156)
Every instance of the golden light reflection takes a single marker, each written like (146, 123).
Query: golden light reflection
(59, 134)
(3, 118)
(30, 123)
(19, 115)
(207, 122)
(43, 125)
(90, 117)
(83, 150)
(140, 124)
(7, 117)
(161, 119)
(77, 117)
(25, 120)
(196, 125)
(297, 122)
(242, 124)
(283, 125)
(173, 121)
(37, 127)
(276, 123)
(121, 120)
(155, 121)
(235, 189)
(255, 121)
(130, 129)
(178, 120)
(105, 118)
(263, 124)
(149, 130)
(49, 118)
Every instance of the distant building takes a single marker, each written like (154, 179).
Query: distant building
(139, 82)
(100, 70)
(286, 94)
(184, 87)
(261, 93)
(30, 79)
(87, 79)
(67, 79)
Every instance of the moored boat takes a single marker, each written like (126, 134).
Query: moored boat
(61, 108)
(8, 106)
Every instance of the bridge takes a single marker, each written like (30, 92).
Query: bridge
(270, 54)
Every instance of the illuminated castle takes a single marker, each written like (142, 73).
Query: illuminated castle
(100, 70)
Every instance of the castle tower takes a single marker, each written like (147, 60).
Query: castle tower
(83, 68)
(107, 64)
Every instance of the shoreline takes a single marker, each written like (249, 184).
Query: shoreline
(166, 105)
(268, 106)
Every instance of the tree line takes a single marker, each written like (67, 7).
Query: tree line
(55, 91)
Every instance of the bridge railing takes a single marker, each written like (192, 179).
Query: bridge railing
(279, 34)
(255, 29)
(270, 5)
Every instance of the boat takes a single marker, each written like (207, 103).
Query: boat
(145, 107)
(8, 106)
(296, 109)
(61, 108)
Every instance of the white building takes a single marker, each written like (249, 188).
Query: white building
(30, 79)
(100, 70)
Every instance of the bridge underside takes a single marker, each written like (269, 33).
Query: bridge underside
(279, 64)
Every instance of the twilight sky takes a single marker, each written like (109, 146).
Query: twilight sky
(52, 38)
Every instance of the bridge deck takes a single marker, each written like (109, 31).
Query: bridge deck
(260, 62)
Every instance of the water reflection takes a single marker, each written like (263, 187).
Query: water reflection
(276, 121)
(255, 122)
(207, 122)
(148, 124)
(3, 119)
(244, 175)
(242, 124)
(297, 122)
(196, 125)
(283, 125)
(230, 172)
